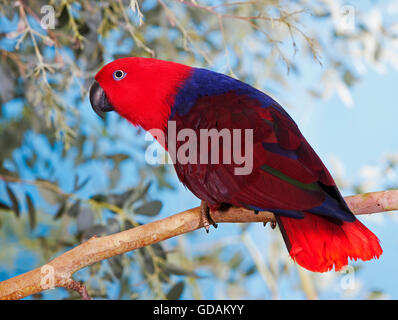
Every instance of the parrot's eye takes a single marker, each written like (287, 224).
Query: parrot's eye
(119, 75)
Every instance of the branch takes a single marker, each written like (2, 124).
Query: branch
(58, 272)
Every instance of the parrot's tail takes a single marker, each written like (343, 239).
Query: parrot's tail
(318, 243)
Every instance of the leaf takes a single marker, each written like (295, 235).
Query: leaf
(99, 197)
(31, 211)
(74, 209)
(118, 157)
(252, 269)
(164, 277)
(114, 175)
(159, 251)
(121, 198)
(85, 219)
(116, 266)
(236, 260)
(143, 191)
(176, 291)
(7, 87)
(95, 230)
(50, 196)
(14, 201)
(148, 261)
(60, 211)
(128, 224)
(107, 277)
(349, 78)
(149, 209)
(173, 269)
(78, 186)
(112, 225)
(376, 294)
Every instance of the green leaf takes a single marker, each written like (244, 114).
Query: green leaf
(349, 78)
(116, 266)
(50, 196)
(149, 209)
(121, 198)
(159, 251)
(252, 269)
(60, 211)
(85, 219)
(112, 225)
(95, 230)
(144, 191)
(128, 224)
(375, 294)
(78, 186)
(176, 291)
(164, 277)
(107, 277)
(173, 269)
(14, 201)
(118, 157)
(31, 211)
(99, 197)
(236, 260)
(74, 209)
(148, 261)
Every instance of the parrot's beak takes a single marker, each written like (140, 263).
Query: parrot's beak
(99, 101)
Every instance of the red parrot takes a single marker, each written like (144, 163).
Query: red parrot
(287, 176)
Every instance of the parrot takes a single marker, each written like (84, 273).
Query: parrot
(287, 176)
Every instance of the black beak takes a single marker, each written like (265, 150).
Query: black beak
(99, 101)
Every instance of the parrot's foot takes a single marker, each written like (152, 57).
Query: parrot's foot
(206, 217)
(272, 224)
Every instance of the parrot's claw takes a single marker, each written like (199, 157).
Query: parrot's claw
(272, 224)
(205, 216)
(255, 211)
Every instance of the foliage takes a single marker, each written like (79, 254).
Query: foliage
(67, 175)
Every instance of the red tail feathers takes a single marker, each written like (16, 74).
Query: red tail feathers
(317, 243)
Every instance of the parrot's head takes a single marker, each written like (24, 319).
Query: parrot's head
(142, 90)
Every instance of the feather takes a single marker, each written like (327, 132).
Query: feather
(319, 244)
